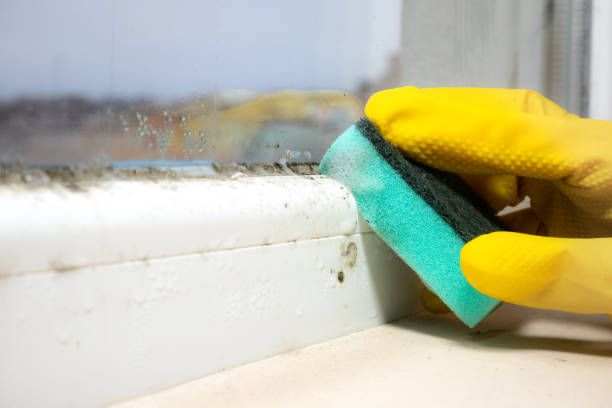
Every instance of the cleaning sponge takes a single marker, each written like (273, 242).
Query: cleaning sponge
(424, 214)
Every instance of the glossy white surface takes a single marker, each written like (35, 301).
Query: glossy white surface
(95, 335)
(116, 221)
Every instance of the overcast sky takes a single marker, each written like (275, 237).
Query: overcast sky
(170, 48)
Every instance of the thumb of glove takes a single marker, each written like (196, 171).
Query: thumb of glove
(573, 275)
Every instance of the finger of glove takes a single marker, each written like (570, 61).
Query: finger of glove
(432, 303)
(525, 221)
(498, 191)
(583, 210)
(518, 100)
(573, 275)
(476, 138)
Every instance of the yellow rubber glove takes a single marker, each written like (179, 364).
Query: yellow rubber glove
(509, 144)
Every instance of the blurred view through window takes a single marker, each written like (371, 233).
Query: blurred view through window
(99, 82)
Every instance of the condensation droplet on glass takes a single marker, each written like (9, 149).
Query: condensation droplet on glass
(202, 141)
(126, 129)
(165, 113)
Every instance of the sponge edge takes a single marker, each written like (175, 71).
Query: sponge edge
(408, 224)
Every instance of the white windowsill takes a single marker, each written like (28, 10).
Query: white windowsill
(125, 288)
(114, 221)
(121, 288)
(516, 358)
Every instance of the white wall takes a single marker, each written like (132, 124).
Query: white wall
(601, 61)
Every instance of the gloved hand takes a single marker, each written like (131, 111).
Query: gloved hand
(509, 144)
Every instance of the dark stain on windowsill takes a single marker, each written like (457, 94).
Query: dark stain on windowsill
(76, 178)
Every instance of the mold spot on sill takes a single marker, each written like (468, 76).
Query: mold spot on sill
(349, 254)
(77, 178)
(341, 276)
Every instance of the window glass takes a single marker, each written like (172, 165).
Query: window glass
(193, 81)
(188, 80)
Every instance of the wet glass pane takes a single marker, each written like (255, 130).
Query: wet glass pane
(154, 82)
(244, 81)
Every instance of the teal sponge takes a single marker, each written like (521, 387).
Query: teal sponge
(424, 214)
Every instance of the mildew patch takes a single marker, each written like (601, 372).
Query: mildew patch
(77, 178)
(349, 254)
(341, 276)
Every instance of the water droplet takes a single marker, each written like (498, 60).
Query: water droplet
(126, 129)
(299, 312)
(165, 113)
